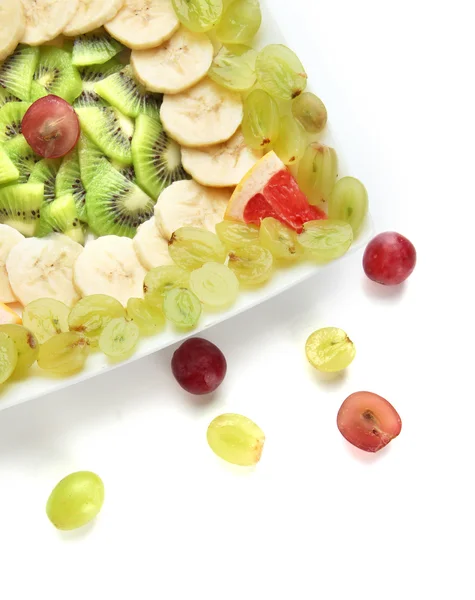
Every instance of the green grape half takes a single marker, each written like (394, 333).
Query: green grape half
(26, 344)
(292, 141)
(310, 111)
(325, 240)
(119, 338)
(160, 280)
(64, 354)
(280, 72)
(92, 313)
(234, 67)
(330, 350)
(240, 22)
(317, 174)
(261, 120)
(215, 285)
(281, 241)
(191, 247)
(182, 308)
(149, 318)
(349, 202)
(252, 265)
(75, 501)
(46, 317)
(234, 234)
(198, 15)
(8, 357)
(236, 439)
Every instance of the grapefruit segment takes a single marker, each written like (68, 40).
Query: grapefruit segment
(269, 190)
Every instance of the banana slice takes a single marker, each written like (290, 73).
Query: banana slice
(43, 268)
(144, 24)
(205, 114)
(110, 266)
(150, 246)
(92, 14)
(176, 65)
(12, 26)
(186, 203)
(9, 237)
(223, 165)
(46, 19)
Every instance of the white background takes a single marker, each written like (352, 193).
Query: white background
(317, 518)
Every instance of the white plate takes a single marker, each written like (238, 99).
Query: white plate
(38, 383)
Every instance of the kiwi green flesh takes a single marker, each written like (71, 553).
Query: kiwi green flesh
(124, 92)
(90, 158)
(22, 156)
(11, 116)
(56, 75)
(110, 130)
(20, 207)
(6, 97)
(68, 181)
(115, 206)
(45, 171)
(94, 48)
(156, 157)
(91, 74)
(16, 72)
(8, 171)
(61, 216)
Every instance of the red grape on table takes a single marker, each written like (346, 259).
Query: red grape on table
(199, 366)
(389, 258)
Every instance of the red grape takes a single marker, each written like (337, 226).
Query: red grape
(389, 258)
(368, 421)
(51, 127)
(199, 366)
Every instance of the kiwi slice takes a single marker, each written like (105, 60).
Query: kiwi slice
(61, 216)
(6, 97)
(128, 171)
(68, 181)
(90, 75)
(109, 129)
(156, 157)
(56, 75)
(22, 156)
(115, 206)
(91, 158)
(16, 72)
(8, 171)
(11, 116)
(124, 92)
(94, 48)
(20, 206)
(45, 171)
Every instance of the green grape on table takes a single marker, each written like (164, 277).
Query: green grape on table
(280, 72)
(191, 247)
(236, 439)
(182, 308)
(26, 344)
(76, 500)
(234, 234)
(349, 202)
(326, 239)
(330, 350)
(261, 120)
(310, 111)
(198, 15)
(252, 265)
(148, 318)
(119, 338)
(318, 172)
(64, 354)
(160, 280)
(8, 357)
(92, 313)
(240, 22)
(215, 285)
(292, 141)
(281, 241)
(234, 67)
(46, 317)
